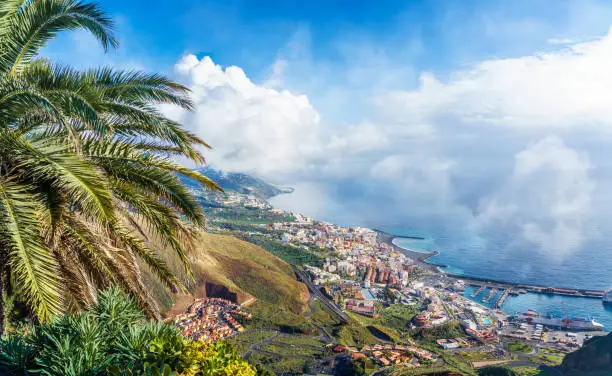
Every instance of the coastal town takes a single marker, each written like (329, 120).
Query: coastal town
(359, 274)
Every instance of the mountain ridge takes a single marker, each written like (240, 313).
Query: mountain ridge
(243, 183)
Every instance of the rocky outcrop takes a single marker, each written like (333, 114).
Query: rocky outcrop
(594, 358)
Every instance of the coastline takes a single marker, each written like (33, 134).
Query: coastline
(591, 307)
(420, 257)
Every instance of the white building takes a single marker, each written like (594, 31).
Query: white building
(347, 268)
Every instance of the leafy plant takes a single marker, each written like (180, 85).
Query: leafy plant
(114, 337)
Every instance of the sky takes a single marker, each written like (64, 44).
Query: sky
(465, 117)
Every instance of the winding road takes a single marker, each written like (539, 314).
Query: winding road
(301, 276)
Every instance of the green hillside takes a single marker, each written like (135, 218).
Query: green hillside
(228, 267)
(593, 359)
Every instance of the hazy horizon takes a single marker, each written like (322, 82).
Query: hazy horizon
(473, 118)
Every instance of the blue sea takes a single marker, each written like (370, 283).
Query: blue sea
(588, 269)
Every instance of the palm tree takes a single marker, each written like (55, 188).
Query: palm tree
(86, 173)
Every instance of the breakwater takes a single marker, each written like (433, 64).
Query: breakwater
(518, 288)
(510, 288)
(421, 257)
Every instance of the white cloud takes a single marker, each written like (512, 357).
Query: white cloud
(557, 41)
(262, 130)
(546, 200)
(450, 152)
(358, 138)
(564, 88)
(251, 128)
(276, 78)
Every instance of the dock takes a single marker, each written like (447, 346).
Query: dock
(500, 301)
(491, 295)
(515, 288)
(479, 291)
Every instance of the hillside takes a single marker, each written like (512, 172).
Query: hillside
(227, 267)
(594, 358)
(242, 183)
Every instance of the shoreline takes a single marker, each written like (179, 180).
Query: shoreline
(422, 259)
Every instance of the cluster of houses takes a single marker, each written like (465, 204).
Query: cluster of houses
(435, 313)
(351, 290)
(484, 336)
(360, 253)
(362, 307)
(326, 235)
(210, 319)
(452, 343)
(389, 354)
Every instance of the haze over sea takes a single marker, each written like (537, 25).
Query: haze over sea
(588, 269)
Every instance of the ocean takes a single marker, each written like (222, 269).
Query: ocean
(586, 269)
(498, 256)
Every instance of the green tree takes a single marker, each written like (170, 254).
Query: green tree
(114, 338)
(85, 172)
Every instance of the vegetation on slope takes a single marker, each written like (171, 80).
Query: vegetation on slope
(114, 338)
(243, 183)
(594, 358)
(288, 253)
(451, 329)
(520, 347)
(229, 267)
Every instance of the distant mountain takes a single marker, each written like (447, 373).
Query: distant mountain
(244, 183)
(593, 359)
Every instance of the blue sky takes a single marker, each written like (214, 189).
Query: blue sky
(438, 35)
(470, 115)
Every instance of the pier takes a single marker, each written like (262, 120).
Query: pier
(479, 291)
(515, 288)
(491, 295)
(500, 301)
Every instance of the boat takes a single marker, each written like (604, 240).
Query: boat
(559, 321)
(607, 297)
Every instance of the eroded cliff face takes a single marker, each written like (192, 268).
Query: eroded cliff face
(594, 358)
(219, 291)
(230, 268)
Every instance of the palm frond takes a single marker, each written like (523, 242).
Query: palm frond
(55, 162)
(33, 267)
(29, 27)
(133, 87)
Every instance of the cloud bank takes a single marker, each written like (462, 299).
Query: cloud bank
(513, 144)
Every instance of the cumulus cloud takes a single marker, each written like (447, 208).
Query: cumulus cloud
(252, 128)
(470, 151)
(263, 130)
(546, 200)
(565, 88)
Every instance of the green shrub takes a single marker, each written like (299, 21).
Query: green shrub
(519, 347)
(114, 338)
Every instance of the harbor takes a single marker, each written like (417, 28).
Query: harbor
(513, 297)
(512, 288)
